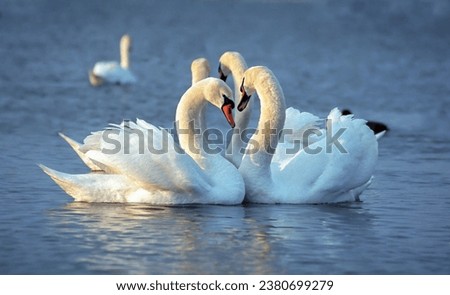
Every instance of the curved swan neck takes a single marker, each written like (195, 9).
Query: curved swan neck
(200, 70)
(192, 103)
(125, 44)
(237, 71)
(271, 121)
(190, 106)
(233, 64)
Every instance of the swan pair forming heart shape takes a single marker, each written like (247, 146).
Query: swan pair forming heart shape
(265, 173)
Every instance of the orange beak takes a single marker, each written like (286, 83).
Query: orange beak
(227, 110)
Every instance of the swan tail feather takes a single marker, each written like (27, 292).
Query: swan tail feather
(76, 147)
(92, 187)
(92, 142)
(62, 179)
(380, 134)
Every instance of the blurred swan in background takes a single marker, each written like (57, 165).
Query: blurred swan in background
(111, 71)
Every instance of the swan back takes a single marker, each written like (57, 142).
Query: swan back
(327, 172)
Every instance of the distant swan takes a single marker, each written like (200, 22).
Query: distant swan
(310, 176)
(111, 71)
(168, 177)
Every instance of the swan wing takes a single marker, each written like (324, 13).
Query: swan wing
(300, 130)
(76, 147)
(296, 120)
(332, 167)
(147, 155)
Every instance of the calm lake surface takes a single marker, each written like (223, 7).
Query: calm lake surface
(387, 61)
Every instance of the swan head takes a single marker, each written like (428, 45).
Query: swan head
(251, 78)
(228, 61)
(200, 69)
(125, 42)
(245, 97)
(222, 75)
(220, 95)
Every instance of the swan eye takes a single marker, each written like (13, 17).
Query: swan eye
(221, 74)
(227, 101)
(241, 89)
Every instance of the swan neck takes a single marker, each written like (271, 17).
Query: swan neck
(271, 121)
(199, 74)
(190, 106)
(124, 56)
(237, 68)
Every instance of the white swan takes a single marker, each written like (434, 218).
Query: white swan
(306, 177)
(113, 72)
(150, 167)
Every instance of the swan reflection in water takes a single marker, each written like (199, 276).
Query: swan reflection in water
(205, 239)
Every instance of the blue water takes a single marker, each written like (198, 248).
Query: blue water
(386, 60)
